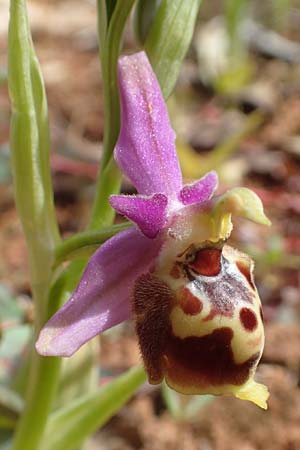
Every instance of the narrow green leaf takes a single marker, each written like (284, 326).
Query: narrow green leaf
(69, 426)
(195, 404)
(144, 14)
(110, 6)
(169, 39)
(84, 244)
(80, 374)
(101, 24)
(5, 440)
(65, 284)
(231, 144)
(7, 423)
(11, 406)
(172, 401)
(29, 144)
(30, 131)
(234, 10)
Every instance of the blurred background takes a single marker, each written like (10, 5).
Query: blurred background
(236, 108)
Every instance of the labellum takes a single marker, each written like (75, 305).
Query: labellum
(200, 322)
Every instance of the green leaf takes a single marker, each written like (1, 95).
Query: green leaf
(195, 166)
(30, 131)
(69, 426)
(11, 406)
(9, 307)
(6, 423)
(65, 284)
(234, 15)
(184, 407)
(144, 14)
(29, 144)
(195, 404)
(169, 39)
(79, 374)
(5, 440)
(172, 401)
(84, 244)
(110, 6)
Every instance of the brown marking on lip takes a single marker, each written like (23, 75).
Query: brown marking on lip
(175, 271)
(245, 270)
(187, 249)
(248, 319)
(212, 313)
(152, 300)
(207, 262)
(206, 361)
(253, 343)
(189, 304)
(224, 294)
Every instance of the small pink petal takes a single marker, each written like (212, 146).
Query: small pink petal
(102, 298)
(149, 213)
(145, 150)
(200, 191)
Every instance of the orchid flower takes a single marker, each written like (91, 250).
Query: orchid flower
(195, 305)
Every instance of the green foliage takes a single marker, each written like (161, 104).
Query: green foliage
(68, 427)
(169, 39)
(84, 244)
(29, 134)
(144, 14)
(234, 13)
(11, 406)
(184, 407)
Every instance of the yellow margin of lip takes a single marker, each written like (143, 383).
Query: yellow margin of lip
(254, 392)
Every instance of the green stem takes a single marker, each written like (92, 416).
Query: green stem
(108, 182)
(85, 243)
(109, 179)
(34, 200)
(43, 380)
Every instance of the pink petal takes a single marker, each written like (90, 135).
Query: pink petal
(102, 298)
(149, 213)
(200, 191)
(145, 150)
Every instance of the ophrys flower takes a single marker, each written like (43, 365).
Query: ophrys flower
(193, 298)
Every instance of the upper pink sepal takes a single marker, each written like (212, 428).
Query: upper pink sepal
(200, 191)
(145, 150)
(102, 298)
(149, 213)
